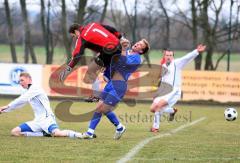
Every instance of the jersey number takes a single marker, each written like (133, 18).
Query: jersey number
(100, 32)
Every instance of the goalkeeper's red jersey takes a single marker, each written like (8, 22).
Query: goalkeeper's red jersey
(97, 37)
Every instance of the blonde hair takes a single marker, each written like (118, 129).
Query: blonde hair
(25, 74)
(147, 48)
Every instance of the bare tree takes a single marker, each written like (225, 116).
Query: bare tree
(81, 11)
(66, 41)
(28, 40)
(209, 29)
(167, 25)
(47, 34)
(194, 30)
(104, 11)
(10, 32)
(132, 22)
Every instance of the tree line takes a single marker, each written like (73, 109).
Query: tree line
(164, 23)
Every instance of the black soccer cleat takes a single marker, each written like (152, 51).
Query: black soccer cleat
(92, 99)
(171, 115)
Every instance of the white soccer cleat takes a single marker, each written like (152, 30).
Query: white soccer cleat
(86, 136)
(118, 134)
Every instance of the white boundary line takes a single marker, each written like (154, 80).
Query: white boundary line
(188, 159)
(141, 144)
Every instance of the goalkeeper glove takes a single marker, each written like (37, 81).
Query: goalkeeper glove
(63, 75)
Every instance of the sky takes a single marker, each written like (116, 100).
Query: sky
(34, 5)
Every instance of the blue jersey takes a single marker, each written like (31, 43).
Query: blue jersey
(125, 65)
(115, 90)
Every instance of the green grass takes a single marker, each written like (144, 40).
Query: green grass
(212, 140)
(155, 56)
(59, 54)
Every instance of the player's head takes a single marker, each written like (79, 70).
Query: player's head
(74, 30)
(168, 55)
(25, 79)
(141, 46)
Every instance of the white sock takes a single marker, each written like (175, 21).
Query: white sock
(96, 88)
(72, 134)
(91, 131)
(119, 126)
(169, 110)
(156, 120)
(32, 133)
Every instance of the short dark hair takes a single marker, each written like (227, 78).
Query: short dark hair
(168, 49)
(73, 27)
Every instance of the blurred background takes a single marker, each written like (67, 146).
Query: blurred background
(35, 31)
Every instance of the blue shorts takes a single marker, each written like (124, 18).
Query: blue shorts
(113, 92)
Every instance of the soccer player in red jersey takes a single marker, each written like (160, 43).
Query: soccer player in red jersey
(103, 39)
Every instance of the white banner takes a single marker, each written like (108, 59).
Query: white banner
(9, 77)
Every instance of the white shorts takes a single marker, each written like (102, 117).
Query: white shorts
(47, 124)
(171, 98)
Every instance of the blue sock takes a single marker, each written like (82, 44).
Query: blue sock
(94, 122)
(113, 118)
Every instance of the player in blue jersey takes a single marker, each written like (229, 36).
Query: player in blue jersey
(122, 66)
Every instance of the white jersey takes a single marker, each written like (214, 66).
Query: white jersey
(37, 98)
(174, 70)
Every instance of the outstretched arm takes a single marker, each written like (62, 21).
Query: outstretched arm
(21, 100)
(181, 62)
(76, 56)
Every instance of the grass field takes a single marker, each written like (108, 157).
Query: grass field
(155, 56)
(211, 140)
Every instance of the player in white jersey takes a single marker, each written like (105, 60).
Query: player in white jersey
(44, 120)
(172, 77)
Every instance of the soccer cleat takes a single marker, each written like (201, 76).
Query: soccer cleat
(86, 136)
(154, 130)
(92, 99)
(46, 134)
(118, 134)
(171, 115)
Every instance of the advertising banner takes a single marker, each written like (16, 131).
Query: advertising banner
(9, 77)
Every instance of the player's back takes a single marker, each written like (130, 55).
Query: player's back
(96, 34)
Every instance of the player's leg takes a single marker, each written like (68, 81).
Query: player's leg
(102, 61)
(65, 133)
(96, 92)
(93, 123)
(107, 102)
(49, 126)
(171, 102)
(159, 103)
(98, 113)
(27, 129)
(172, 111)
(114, 96)
(92, 72)
(156, 122)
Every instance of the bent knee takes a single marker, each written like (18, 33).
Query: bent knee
(16, 132)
